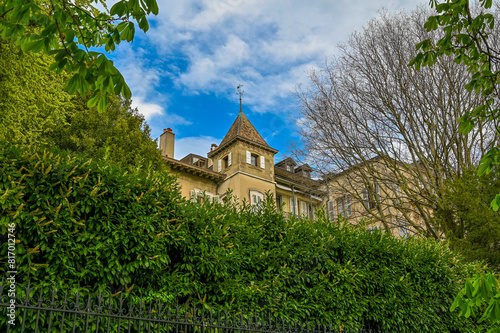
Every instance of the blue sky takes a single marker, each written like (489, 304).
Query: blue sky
(184, 72)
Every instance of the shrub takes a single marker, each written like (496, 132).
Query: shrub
(84, 223)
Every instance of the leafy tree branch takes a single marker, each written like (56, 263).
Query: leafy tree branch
(72, 32)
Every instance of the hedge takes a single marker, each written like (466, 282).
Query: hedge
(90, 225)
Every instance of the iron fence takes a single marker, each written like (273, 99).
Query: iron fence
(55, 311)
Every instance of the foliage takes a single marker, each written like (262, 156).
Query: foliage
(89, 224)
(71, 31)
(82, 222)
(35, 109)
(481, 294)
(33, 102)
(470, 226)
(120, 135)
(468, 36)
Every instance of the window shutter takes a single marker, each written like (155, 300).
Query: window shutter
(219, 166)
(366, 200)
(377, 190)
(262, 162)
(229, 159)
(331, 209)
(249, 157)
(340, 206)
(348, 208)
(293, 206)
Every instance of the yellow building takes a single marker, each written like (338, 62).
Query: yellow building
(369, 192)
(244, 163)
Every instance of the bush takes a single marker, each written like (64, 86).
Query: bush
(87, 223)
(84, 223)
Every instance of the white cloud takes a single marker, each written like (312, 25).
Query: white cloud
(265, 45)
(196, 145)
(146, 109)
(143, 78)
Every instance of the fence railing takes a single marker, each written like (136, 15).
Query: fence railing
(56, 311)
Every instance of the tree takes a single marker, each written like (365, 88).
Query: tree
(35, 109)
(390, 128)
(33, 102)
(71, 32)
(120, 135)
(470, 226)
(468, 35)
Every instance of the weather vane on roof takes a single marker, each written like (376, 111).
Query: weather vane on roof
(240, 93)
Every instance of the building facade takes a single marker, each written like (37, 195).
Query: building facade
(243, 163)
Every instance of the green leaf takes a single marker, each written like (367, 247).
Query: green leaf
(118, 9)
(93, 100)
(495, 204)
(103, 102)
(126, 91)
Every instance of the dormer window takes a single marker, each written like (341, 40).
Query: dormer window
(288, 168)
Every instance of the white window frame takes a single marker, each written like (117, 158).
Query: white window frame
(256, 199)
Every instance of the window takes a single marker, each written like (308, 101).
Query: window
(340, 206)
(279, 201)
(304, 209)
(226, 161)
(344, 206)
(404, 227)
(201, 196)
(370, 199)
(293, 206)
(256, 199)
(256, 160)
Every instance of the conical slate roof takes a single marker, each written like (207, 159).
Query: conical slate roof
(243, 128)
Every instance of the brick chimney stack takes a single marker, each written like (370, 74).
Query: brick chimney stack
(167, 142)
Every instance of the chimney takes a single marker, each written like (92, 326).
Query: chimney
(213, 147)
(167, 140)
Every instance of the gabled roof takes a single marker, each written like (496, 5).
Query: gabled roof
(286, 161)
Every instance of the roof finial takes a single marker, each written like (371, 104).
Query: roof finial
(240, 92)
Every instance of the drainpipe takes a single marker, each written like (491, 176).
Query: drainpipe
(311, 210)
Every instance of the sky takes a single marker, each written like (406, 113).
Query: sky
(184, 71)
